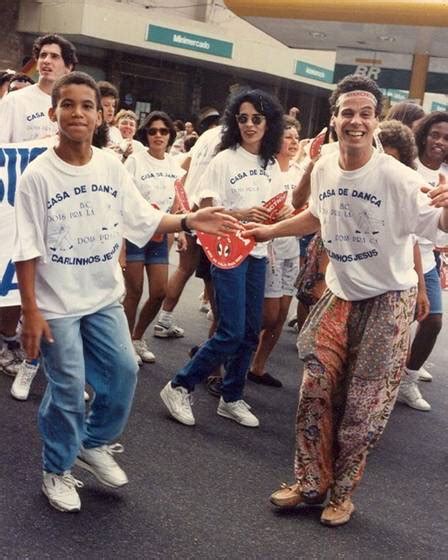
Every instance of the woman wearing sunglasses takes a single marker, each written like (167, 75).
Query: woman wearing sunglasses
(154, 171)
(240, 178)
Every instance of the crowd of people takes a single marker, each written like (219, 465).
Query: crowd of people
(354, 239)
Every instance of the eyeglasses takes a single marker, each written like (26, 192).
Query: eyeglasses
(153, 131)
(255, 119)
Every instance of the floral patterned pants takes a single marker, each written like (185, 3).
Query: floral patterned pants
(354, 354)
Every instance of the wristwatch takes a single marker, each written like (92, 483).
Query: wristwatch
(184, 226)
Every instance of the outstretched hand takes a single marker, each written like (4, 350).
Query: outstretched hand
(212, 220)
(259, 232)
(439, 194)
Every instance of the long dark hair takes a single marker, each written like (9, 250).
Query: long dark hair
(156, 116)
(266, 105)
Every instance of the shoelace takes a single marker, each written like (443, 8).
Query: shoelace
(187, 398)
(26, 378)
(114, 448)
(415, 392)
(144, 346)
(338, 505)
(242, 405)
(285, 485)
(69, 480)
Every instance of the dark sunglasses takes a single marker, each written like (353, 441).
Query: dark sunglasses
(153, 131)
(255, 119)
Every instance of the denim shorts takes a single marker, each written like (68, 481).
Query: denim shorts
(434, 291)
(154, 252)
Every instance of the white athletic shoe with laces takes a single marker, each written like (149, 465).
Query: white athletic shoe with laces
(161, 331)
(239, 411)
(100, 462)
(10, 360)
(409, 394)
(142, 350)
(424, 375)
(60, 490)
(178, 402)
(22, 383)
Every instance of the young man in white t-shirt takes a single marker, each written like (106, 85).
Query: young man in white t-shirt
(355, 341)
(24, 116)
(74, 205)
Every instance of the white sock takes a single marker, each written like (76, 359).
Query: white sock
(411, 375)
(166, 318)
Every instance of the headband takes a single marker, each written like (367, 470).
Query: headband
(356, 93)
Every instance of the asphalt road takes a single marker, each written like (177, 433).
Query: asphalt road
(202, 492)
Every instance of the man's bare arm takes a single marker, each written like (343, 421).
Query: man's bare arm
(34, 325)
(302, 191)
(300, 225)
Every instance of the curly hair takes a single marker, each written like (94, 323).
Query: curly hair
(405, 112)
(68, 51)
(156, 116)
(353, 83)
(424, 126)
(266, 105)
(125, 114)
(395, 134)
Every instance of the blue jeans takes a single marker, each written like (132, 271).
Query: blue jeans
(434, 291)
(94, 349)
(239, 294)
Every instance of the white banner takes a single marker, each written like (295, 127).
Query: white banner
(13, 160)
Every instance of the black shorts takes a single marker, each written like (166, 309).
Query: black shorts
(203, 268)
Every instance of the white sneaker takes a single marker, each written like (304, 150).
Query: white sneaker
(22, 383)
(409, 394)
(424, 375)
(142, 350)
(10, 360)
(60, 490)
(86, 396)
(178, 402)
(137, 357)
(204, 305)
(161, 331)
(238, 411)
(100, 462)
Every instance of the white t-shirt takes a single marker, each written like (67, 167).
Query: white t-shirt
(155, 177)
(115, 136)
(73, 220)
(236, 179)
(367, 217)
(288, 247)
(201, 154)
(431, 177)
(24, 115)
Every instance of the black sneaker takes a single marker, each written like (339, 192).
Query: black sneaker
(265, 379)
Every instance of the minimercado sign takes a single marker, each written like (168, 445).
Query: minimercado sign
(314, 72)
(189, 41)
